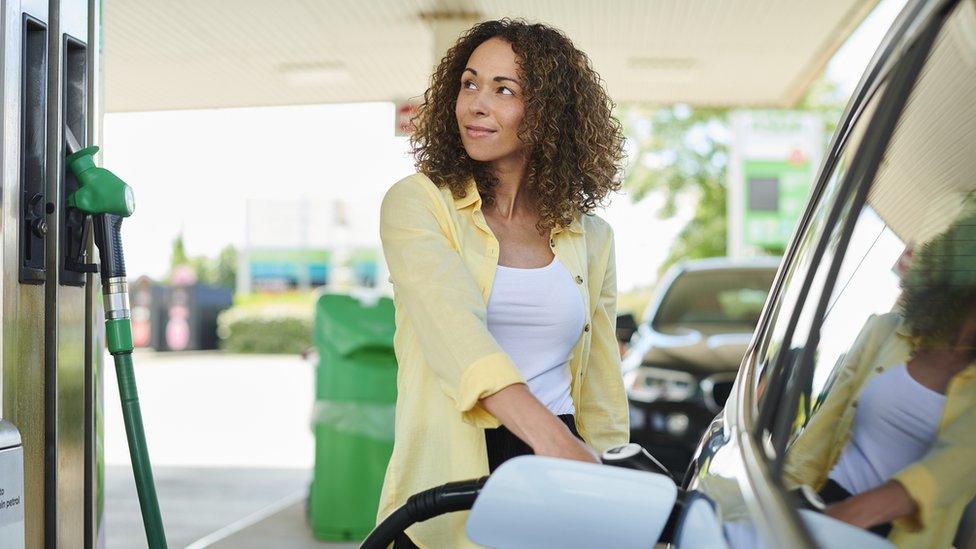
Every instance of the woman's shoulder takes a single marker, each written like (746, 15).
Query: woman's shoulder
(883, 326)
(596, 228)
(598, 237)
(414, 201)
(413, 185)
(417, 188)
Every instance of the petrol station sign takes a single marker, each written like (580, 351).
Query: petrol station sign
(774, 156)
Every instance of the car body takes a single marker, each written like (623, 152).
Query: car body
(684, 355)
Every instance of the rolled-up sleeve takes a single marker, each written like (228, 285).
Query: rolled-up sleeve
(947, 473)
(603, 401)
(808, 460)
(441, 301)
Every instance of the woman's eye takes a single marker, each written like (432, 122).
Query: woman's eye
(506, 91)
(468, 85)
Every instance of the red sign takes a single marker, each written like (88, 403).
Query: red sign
(405, 111)
(797, 157)
(904, 261)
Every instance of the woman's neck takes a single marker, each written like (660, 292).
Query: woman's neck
(510, 195)
(950, 361)
(935, 368)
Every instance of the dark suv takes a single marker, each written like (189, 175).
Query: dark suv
(683, 358)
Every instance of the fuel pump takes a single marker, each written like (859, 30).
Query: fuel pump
(108, 200)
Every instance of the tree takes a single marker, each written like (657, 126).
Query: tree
(221, 271)
(225, 272)
(178, 255)
(682, 153)
(826, 98)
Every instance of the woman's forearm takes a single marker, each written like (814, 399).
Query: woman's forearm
(883, 504)
(533, 423)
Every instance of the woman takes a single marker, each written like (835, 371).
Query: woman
(893, 446)
(503, 279)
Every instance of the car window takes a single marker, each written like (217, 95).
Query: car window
(892, 382)
(729, 297)
(792, 287)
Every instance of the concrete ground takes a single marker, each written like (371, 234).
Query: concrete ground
(231, 448)
(197, 502)
(277, 531)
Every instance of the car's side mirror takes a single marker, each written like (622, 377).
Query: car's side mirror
(534, 501)
(626, 326)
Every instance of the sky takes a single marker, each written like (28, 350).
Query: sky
(195, 171)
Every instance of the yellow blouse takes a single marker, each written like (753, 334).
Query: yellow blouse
(942, 483)
(442, 257)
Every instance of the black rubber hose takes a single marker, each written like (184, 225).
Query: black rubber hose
(440, 500)
(387, 531)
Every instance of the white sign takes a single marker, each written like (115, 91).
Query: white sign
(12, 497)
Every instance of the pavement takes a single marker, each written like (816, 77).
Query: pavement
(278, 531)
(198, 502)
(231, 448)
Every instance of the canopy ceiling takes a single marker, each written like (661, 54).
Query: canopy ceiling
(189, 54)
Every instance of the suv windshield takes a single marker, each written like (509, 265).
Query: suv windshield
(732, 297)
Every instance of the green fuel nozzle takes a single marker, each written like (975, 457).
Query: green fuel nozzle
(99, 190)
(108, 200)
(104, 196)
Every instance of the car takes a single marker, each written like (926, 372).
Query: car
(683, 356)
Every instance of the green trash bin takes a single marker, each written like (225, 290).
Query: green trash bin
(355, 394)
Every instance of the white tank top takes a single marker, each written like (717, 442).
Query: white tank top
(537, 316)
(896, 422)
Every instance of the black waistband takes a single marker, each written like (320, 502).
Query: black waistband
(503, 445)
(832, 492)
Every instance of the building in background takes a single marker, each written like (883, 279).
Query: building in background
(304, 244)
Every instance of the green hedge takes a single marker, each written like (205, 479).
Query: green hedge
(271, 330)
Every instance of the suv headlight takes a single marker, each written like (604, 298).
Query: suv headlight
(650, 384)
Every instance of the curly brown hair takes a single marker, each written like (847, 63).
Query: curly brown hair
(939, 289)
(573, 144)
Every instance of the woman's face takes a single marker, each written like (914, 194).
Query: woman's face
(489, 104)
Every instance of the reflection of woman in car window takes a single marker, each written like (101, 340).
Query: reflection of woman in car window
(893, 446)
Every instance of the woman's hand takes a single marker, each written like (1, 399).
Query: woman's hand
(568, 447)
(878, 506)
(528, 419)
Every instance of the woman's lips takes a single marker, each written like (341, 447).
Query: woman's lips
(478, 131)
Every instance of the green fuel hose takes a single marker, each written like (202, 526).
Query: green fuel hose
(108, 200)
(141, 468)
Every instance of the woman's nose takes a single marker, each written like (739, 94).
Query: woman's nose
(478, 104)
